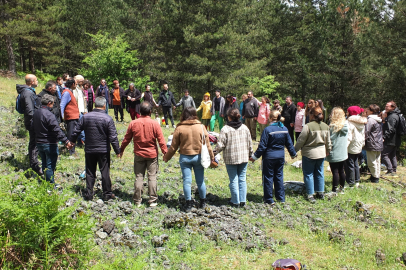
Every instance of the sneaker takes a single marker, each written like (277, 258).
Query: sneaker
(356, 185)
(235, 205)
(319, 195)
(311, 199)
(167, 126)
(154, 204)
(374, 179)
(340, 190)
(271, 203)
(203, 203)
(188, 206)
(138, 205)
(173, 126)
(242, 204)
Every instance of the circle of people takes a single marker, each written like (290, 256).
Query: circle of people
(349, 138)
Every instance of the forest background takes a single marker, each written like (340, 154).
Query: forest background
(343, 52)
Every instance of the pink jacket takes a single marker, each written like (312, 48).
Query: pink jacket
(299, 120)
(86, 94)
(263, 113)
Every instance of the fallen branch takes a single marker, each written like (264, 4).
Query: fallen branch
(393, 182)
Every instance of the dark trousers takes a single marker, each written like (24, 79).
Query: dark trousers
(291, 131)
(103, 160)
(352, 173)
(33, 152)
(337, 169)
(70, 126)
(117, 109)
(90, 105)
(389, 158)
(272, 175)
(297, 134)
(166, 111)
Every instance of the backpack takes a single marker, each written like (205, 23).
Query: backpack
(287, 264)
(402, 125)
(19, 107)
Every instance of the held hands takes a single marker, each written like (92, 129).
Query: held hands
(291, 124)
(120, 155)
(255, 118)
(133, 99)
(69, 145)
(174, 107)
(252, 160)
(165, 159)
(129, 98)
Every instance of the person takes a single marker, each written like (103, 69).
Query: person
(231, 103)
(50, 89)
(216, 110)
(145, 134)
(319, 103)
(356, 141)
(188, 138)
(103, 91)
(186, 101)
(59, 87)
(373, 142)
(132, 97)
(117, 100)
(289, 113)
(236, 145)
(250, 114)
(65, 78)
(264, 112)
(243, 98)
(205, 106)
(100, 132)
(299, 117)
(28, 101)
(391, 137)
(338, 154)
(69, 109)
(277, 105)
(148, 97)
(274, 139)
(89, 94)
(310, 105)
(166, 100)
(47, 135)
(79, 95)
(315, 144)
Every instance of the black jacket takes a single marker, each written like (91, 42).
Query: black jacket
(100, 132)
(46, 127)
(289, 113)
(390, 134)
(166, 102)
(228, 107)
(56, 110)
(134, 94)
(28, 100)
(250, 108)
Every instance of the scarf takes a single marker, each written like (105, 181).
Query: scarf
(235, 124)
(279, 124)
(102, 89)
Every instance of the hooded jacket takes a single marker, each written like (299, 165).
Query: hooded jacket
(314, 141)
(28, 100)
(56, 109)
(46, 127)
(356, 134)
(339, 141)
(206, 106)
(373, 134)
(164, 101)
(186, 101)
(250, 108)
(390, 134)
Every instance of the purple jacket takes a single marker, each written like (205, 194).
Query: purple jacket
(86, 93)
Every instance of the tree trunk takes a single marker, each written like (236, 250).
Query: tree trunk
(10, 54)
(31, 59)
(22, 56)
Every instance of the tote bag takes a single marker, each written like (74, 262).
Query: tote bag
(205, 159)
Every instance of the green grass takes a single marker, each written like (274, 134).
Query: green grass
(309, 243)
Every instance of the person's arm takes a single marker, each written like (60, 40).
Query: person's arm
(174, 145)
(127, 138)
(160, 137)
(53, 126)
(302, 138)
(180, 102)
(64, 101)
(256, 110)
(293, 115)
(200, 107)
(212, 108)
(193, 103)
(172, 99)
(29, 99)
(137, 94)
(251, 151)
(349, 135)
(160, 99)
(77, 130)
(243, 110)
(208, 144)
(328, 143)
(221, 143)
(391, 130)
(126, 92)
(263, 144)
(289, 146)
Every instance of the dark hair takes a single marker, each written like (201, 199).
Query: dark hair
(49, 84)
(374, 108)
(234, 114)
(392, 104)
(70, 82)
(317, 112)
(320, 104)
(59, 78)
(229, 96)
(65, 76)
(115, 82)
(266, 99)
(188, 113)
(145, 108)
(164, 82)
(186, 91)
(276, 101)
(147, 86)
(46, 99)
(87, 82)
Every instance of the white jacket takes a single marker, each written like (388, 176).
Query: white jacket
(356, 134)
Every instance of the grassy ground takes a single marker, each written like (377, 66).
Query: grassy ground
(306, 229)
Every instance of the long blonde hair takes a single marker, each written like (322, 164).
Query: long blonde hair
(274, 115)
(337, 119)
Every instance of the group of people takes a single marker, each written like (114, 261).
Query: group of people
(340, 142)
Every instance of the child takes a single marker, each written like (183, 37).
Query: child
(206, 106)
(157, 118)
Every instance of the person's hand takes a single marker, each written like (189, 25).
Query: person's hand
(128, 97)
(327, 154)
(157, 105)
(222, 115)
(255, 118)
(133, 99)
(243, 117)
(120, 155)
(165, 159)
(291, 124)
(252, 160)
(174, 107)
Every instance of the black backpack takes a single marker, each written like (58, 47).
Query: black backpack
(401, 128)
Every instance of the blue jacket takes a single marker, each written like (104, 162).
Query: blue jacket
(273, 142)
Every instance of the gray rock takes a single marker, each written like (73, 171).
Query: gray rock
(357, 242)
(250, 246)
(336, 236)
(380, 256)
(70, 202)
(101, 235)
(100, 202)
(159, 250)
(6, 156)
(295, 187)
(108, 226)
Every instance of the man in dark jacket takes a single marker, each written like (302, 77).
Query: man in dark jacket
(50, 89)
(289, 113)
(28, 101)
(47, 135)
(250, 114)
(231, 103)
(391, 138)
(186, 101)
(100, 132)
(166, 100)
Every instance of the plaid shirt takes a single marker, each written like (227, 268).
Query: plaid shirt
(236, 144)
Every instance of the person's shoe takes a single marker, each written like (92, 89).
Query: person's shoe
(356, 185)
(167, 126)
(203, 203)
(319, 195)
(311, 199)
(271, 203)
(340, 190)
(173, 126)
(374, 179)
(188, 206)
(242, 204)
(154, 204)
(57, 187)
(112, 197)
(235, 205)
(137, 204)
(394, 175)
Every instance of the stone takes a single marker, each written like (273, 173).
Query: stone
(159, 250)
(182, 247)
(336, 236)
(108, 226)
(6, 156)
(283, 242)
(250, 246)
(70, 202)
(357, 242)
(380, 256)
(100, 202)
(295, 187)
(101, 235)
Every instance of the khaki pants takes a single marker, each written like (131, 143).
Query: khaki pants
(261, 129)
(140, 165)
(374, 163)
(251, 123)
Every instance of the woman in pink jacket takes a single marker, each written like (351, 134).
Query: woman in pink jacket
(299, 118)
(263, 114)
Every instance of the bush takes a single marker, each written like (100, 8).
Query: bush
(37, 230)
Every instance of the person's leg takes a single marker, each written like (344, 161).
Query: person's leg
(308, 174)
(268, 174)
(220, 120)
(132, 113)
(261, 129)
(336, 176)
(165, 112)
(242, 184)
(52, 158)
(278, 180)
(171, 115)
(392, 159)
(291, 131)
(349, 167)
(319, 175)
(233, 176)
(90, 106)
(186, 168)
(115, 107)
(140, 164)
(356, 169)
(386, 159)
(42, 155)
(33, 152)
(341, 173)
(91, 165)
(152, 167)
(137, 115)
(199, 176)
(297, 134)
(104, 166)
(70, 126)
(107, 107)
(374, 163)
(120, 109)
(212, 122)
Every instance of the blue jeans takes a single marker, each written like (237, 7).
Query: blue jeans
(187, 162)
(272, 175)
(313, 174)
(49, 155)
(238, 187)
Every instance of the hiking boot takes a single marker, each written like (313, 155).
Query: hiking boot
(394, 175)
(311, 199)
(188, 206)
(242, 204)
(203, 203)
